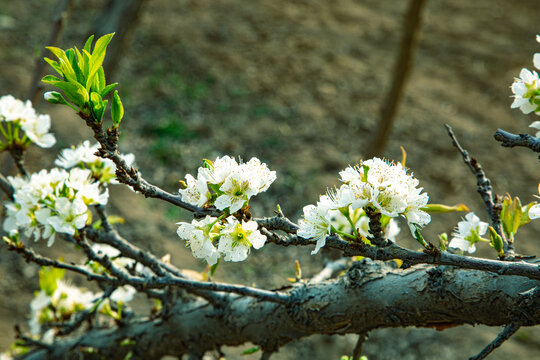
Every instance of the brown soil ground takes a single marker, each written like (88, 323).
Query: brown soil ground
(298, 84)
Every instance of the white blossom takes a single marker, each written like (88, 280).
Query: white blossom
(84, 155)
(64, 301)
(237, 239)
(243, 182)
(196, 192)
(316, 223)
(388, 188)
(468, 232)
(74, 156)
(219, 169)
(198, 236)
(37, 130)
(524, 89)
(12, 109)
(71, 215)
(123, 294)
(36, 127)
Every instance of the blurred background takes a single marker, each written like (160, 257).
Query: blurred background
(301, 85)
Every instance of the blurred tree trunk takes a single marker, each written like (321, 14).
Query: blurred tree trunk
(389, 106)
(120, 17)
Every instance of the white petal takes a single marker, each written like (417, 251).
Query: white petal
(534, 212)
(536, 60)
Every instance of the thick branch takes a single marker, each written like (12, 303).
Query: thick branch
(357, 302)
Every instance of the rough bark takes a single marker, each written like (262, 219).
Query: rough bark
(370, 295)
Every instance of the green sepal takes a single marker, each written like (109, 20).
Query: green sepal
(117, 109)
(441, 208)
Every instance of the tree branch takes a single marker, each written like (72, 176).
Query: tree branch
(508, 139)
(357, 302)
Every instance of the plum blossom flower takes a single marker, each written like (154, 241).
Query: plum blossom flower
(227, 184)
(525, 89)
(71, 215)
(22, 115)
(316, 223)
(468, 232)
(104, 170)
(37, 130)
(199, 237)
(534, 211)
(52, 201)
(237, 238)
(196, 191)
(388, 188)
(58, 306)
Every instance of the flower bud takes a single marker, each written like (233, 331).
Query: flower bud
(54, 97)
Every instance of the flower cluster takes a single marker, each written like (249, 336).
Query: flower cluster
(383, 186)
(58, 305)
(17, 115)
(52, 201)
(57, 300)
(468, 232)
(227, 184)
(526, 90)
(212, 238)
(83, 156)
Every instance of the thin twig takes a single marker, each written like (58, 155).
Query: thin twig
(394, 251)
(493, 204)
(17, 154)
(357, 352)
(31, 256)
(6, 187)
(508, 331)
(329, 270)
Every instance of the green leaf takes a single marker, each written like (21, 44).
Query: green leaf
(50, 78)
(48, 276)
(250, 351)
(98, 105)
(117, 109)
(98, 54)
(88, 43)
(100, 80)
(69, 72)
(75, 92)
(107, 89)
(55, 65)
(59, 53)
